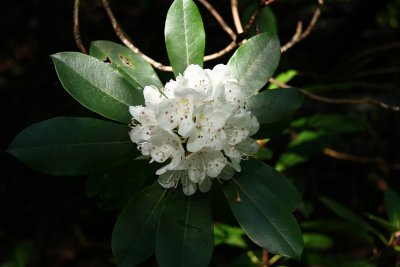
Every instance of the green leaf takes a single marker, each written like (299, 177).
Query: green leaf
(229, 235)
(184, 35)
(263, 217)
(117, 185)
(352, 217)
(284, 77)
(255, 62)
(385, 224)
(20, 256)
(345, 213)
(317, 241)
(274, 109)
(274, 181)
(130, 65)
(339, 228)
(331, 123)
(96, 85)
(71, 146)
(305, 145)
(185, 234)
(392, 205)
(134, 235)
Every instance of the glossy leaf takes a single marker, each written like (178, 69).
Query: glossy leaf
(96, 85)
(184, 35)
(274, 109)
(185, 235)
(71, 146)
(134, 235)
(264, 218)
(115, 186)
(392, 205)
(274, 181)
(255, 62)
(132, 67)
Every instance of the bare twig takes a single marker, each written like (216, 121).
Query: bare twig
(236, 17)
(300, 34)
(351, 101)
(222, 52)
(379, 162)
(77, 34)
(218, 17)
(264, 258)
(255, 15)
(126, 40)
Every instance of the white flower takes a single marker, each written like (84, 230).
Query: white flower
(198, 126)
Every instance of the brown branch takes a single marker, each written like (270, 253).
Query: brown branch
(218, 17)
(264, 258)
(77, 34)
(222, 52)
(379, 162)
(328, 100)
(126, 40)
(300, 34)
(255, 15)
(236, 17)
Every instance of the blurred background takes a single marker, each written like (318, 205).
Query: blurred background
(346, 153)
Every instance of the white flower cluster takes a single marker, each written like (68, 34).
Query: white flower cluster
(199, 124)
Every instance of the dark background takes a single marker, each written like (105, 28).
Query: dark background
(66, 228)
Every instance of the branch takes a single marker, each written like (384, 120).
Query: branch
(351, 101)
(218, 17)
(222, 52)
(255, 15)
(379, 162)
(77, 34)
(236, 17)
(300, 34)
(126, 40)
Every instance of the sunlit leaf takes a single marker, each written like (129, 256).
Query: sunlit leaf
(71, 146)
(284, 77)
(130, 65)
(255, 62)
(184, 35)
(96, 85)
(185, 234)
(134, 235)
